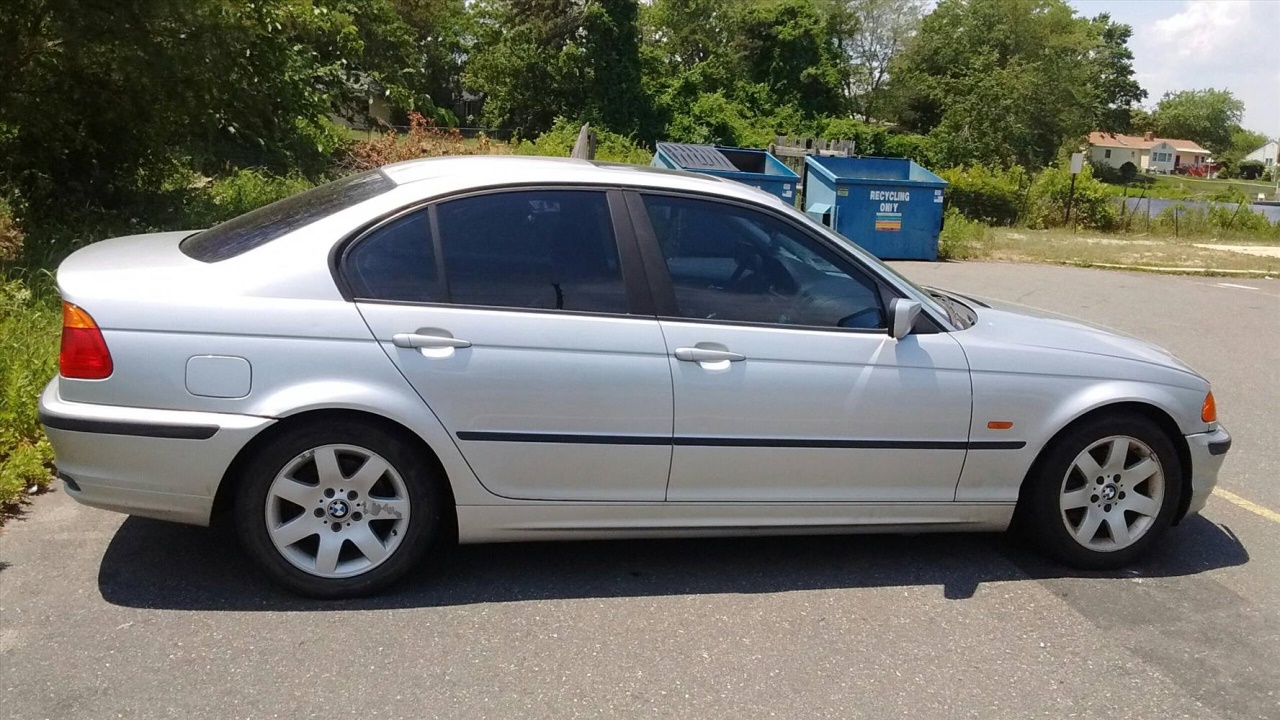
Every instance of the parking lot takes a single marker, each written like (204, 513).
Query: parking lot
(104, 616)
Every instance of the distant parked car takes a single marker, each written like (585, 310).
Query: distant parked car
(489, 349)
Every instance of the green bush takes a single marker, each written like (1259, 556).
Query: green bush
(876, 141)
(1251, 169)
(1216, 220)
(11, 237)
(315, 144)
(238, 193)
(713, 119)
(987, 195)
(1093, 204)
(961, 238)
(29, 329)
(610, 146)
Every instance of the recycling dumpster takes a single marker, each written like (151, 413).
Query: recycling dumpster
(756, 168)
(892, 207)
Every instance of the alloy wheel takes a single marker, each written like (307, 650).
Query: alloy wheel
(1112, 493)
(337, 511)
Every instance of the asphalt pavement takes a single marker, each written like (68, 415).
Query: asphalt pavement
(103, 616)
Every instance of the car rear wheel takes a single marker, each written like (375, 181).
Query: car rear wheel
(1104, 493)
(338, 510)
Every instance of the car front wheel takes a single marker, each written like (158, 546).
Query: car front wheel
(338, 510)
(1104, 492)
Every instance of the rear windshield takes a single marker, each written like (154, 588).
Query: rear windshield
(259, 227)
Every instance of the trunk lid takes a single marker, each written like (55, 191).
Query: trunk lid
(135, 266)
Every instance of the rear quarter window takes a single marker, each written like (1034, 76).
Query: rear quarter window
(259, 227)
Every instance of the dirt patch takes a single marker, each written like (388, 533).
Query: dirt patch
(1065, 246)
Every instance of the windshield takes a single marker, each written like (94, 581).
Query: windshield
(936, 302)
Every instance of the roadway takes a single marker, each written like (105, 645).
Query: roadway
(106, 616)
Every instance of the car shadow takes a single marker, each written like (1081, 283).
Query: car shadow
(157, 565)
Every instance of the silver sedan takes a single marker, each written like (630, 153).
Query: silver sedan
(501, 349)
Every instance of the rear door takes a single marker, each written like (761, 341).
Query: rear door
(511, 314)
(788, 387)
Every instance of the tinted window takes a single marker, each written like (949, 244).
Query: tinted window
(551, 250)
(395, 262)
(261, 226)
(731, 263)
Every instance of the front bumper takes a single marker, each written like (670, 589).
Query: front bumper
(1208, 450)
(164, 464)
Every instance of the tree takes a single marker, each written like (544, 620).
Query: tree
(615, 92)
(871, 33)
(1243, 142)
(740, 71)
(1206, 116)
(1119, 93)
(785, 47)
(102, 104)
(1001, 81)
(444, 35)
(537, 60)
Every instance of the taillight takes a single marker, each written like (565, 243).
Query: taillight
(84, 353)
(1209, 411)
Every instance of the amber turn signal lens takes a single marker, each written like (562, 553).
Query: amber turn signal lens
(73, 316)
(1209, 411)
(84, 354)
(999, 425)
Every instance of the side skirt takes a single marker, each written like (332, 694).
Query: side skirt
(582, 521)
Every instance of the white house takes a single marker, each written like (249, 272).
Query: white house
(1266, 154)
(1148, 153)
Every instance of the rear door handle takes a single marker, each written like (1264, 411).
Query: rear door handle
(414, 340)
(701, 355)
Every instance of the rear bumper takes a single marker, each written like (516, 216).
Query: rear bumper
(1208, 450)
(164, 464)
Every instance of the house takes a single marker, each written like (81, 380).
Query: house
(1148, 153)
(1267, 154)
(369, 109)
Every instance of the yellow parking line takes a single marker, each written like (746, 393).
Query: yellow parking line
(1249, 505)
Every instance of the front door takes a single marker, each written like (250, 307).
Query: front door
(516, 327)
(788, 387)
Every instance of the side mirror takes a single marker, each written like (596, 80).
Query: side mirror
(902, 316)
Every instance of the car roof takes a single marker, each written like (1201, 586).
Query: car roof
(482, 171)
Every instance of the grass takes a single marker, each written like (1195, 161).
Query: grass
(1201, 185)
(1085, 247)
(1178, 187)
(495, 147)
(30, 323)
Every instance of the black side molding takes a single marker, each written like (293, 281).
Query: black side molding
(1220, 448)
(686, 441)
(135, 429)
(566, 439)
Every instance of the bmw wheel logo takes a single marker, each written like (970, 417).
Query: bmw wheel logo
(339, 509)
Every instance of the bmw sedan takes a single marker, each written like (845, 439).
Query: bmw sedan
(492, 349)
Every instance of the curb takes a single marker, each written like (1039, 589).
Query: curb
(1172, 270)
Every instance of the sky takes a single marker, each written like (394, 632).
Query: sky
(1195, 44)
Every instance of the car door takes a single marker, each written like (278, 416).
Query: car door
(788, 386)
(511, 315)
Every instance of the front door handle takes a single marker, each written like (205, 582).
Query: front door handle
(701, 355)
(414, 340)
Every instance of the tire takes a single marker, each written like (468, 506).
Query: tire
(1104, 514)
(373, 486)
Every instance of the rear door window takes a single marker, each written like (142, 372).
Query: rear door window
(395, 262)
(259, 227)
(536, 249)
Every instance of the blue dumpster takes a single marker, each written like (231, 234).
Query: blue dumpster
(890, 206)
(756, 168)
